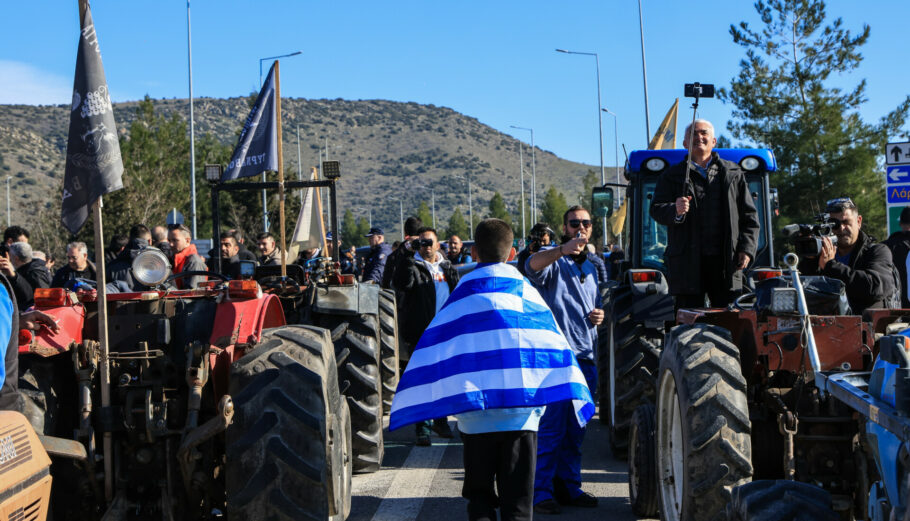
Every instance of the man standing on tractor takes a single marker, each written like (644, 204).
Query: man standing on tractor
(862, 264)
(712, 224)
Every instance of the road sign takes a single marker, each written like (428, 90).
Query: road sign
(898, 174)
(899, 194)
(174, 217)
(897, 153)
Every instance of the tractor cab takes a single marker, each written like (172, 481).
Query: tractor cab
(645, 240)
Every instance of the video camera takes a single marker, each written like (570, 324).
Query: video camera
(536, 235)
(807, 238)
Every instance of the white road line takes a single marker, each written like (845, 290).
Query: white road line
(412, 482)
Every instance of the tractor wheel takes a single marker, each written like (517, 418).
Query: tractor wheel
(358, 371)
(388, 346)
(770, 500)
(704, 447)
(642, 466)
(287, 437)
(630, 359)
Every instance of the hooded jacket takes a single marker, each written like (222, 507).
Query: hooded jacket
(418, 289)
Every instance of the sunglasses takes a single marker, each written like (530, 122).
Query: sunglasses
(576, 223)
(839, 205)
(423, 242)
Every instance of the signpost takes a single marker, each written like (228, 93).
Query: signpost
(897, 182)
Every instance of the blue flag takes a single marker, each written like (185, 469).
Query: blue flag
(257, 148)
(94, 166)
(494, 344)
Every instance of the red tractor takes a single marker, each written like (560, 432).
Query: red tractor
(216, 406)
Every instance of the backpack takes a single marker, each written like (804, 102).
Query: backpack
(893, 298)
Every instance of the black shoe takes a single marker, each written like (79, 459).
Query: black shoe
(547, 507)
(423, 440)
(441, 427)
(585, 500)
(560, 492)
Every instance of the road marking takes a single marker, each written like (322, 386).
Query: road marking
(404, 496)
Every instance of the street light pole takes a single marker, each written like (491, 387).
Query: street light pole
(189, 53)
(600, 125)
(433, 198)
(615, 160)
(533, 175)
(644, 72)
(299, 167)
(8, 220)
(265, 201)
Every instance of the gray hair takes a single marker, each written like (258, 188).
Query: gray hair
(22, 251)
(78, 245)
(689, 127)
(40, 255)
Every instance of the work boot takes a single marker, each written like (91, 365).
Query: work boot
(423, 434)
(547, 507)
(585, 500)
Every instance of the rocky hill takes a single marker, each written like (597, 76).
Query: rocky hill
(388, 150)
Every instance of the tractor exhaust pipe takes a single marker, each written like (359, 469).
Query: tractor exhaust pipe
(791, 260)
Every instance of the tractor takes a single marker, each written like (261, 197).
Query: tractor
(637, 305)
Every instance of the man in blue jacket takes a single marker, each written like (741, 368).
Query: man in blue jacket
(379, 252)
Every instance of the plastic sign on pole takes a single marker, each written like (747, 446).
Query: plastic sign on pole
(897, 182)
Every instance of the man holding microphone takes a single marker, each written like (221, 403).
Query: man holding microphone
(567, 281)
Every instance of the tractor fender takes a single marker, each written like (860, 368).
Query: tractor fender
(239, 323)
(45, 342)
(357, 299)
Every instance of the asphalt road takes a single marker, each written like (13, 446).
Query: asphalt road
(424, 483)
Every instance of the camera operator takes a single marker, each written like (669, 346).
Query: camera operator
(540, 235)
(862, 264)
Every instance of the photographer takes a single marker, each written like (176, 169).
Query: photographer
(540, 235)
(862, 264)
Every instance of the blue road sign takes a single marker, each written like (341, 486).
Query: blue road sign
(898, 174)
(899, 194)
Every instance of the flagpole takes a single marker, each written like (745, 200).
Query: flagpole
(102, 321)
(284, 266)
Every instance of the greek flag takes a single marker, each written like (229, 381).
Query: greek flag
(494, 344)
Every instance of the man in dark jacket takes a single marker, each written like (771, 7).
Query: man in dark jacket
(25, 273)
(425, 281)
(862, 264)
(411, 225)
(540, 235)
(712, 224)
(77, 266)
(379, 254)
(899, 244)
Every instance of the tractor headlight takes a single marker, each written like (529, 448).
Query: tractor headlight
(151, 267)
(783, 301)
(750, 163)
(655, 164)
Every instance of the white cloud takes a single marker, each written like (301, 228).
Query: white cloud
(23, 84)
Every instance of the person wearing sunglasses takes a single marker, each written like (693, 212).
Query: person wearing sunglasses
(425, 280)
(712, 224)
(862, 264)
(567, 280)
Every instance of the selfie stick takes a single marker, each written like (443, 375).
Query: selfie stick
(697, 91)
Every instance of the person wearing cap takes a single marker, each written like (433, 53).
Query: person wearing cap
(379, 252)
(712, 224)
(899, 244)
(861, 263)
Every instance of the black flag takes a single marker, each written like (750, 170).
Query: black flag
(257, 148)
(93, 163)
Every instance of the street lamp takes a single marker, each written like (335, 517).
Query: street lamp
(533, 174)
(644, 72)
(265, 202)
(615, 160)
(189, 53)
(8, 220)
(433, 198)
(470, 204)
(600, 124)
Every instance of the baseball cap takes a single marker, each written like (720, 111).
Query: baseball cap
(374, 231)
(328, 236)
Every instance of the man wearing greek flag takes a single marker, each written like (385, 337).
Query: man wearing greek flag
(495, 358)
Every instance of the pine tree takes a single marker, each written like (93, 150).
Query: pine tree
(498, 208)
(784, 100)
(424, 214)
(553, 208)
(457, 225)
(349, 231)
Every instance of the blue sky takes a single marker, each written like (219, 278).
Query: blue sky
(492, 60)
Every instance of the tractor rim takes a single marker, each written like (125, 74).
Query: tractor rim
(633, 461)
(670, 449)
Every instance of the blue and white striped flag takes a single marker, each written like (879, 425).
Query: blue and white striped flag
(494, 344)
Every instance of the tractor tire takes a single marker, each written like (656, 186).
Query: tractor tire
(642, 464)
(704, 447)
(388, 347)
(770, 500)
(632, 369)
(287, 438)
(359, 374)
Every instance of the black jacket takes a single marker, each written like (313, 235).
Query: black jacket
(418, 295)
(66, 274)
(867, 277)
(740, 228)
(28, 278)
(391, 265)
(899, 244)
(376, 262)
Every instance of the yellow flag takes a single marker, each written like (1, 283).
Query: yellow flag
(618, 219)
(665, 138)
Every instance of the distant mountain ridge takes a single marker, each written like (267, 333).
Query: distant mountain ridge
(387, 149)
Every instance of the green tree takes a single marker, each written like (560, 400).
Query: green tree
(424, 214)
(349, 231)
(553, 207)
(785, 100)
(498, 208)
(457, 225)
(363, 228)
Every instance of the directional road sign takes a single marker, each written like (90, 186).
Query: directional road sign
(897, 153)
(898, 174)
